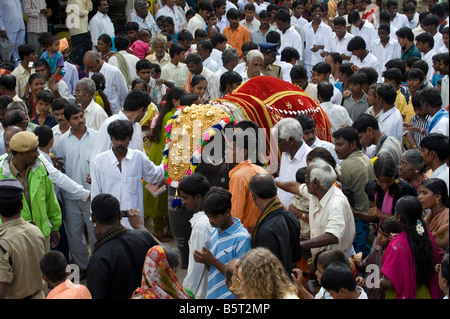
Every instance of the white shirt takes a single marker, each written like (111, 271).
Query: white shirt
(11, 16)
(429, 59)
(63, 90)
(95, 115)
(332, 214)
(440, 127)
(56, 136)
(337, 115)
(391, 51)
(115, 87)
(197, 274)
(100, 24)
(320, 37)
(222, 23)
(442, 173)
(196, 22)
(328, 146)
(131, 60)
(337, 96)
(391, 123)
(414, 21)
(288, 167)
(301, 22)
(210, 64)
(125, 184)
(216, 55)
(104, 140)
(438, 42)
(177, 73)
(334, 45)
(400, 21)
(367, 32)
(286, 68)
(76, 156)
(444, 92)
(71, 77)
(252, 26)
(291, 38)
(173, 13)
(369, 61)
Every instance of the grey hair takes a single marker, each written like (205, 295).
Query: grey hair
(229, 54)
(158, 37)
(289, 127)
(139, 4)
(415, 158)
(323, 173)
(90, 84)
(254, 54)
(17, 105)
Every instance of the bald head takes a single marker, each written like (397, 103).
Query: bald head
(263, 186)
(16, 117)
(10, 131)
(92, 61)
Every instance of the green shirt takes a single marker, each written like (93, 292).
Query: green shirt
(411, 52)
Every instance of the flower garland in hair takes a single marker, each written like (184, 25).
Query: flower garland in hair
(419, 228)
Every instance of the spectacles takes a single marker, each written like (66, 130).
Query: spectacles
(437, 267)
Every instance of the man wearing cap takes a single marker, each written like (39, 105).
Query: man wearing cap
(39, 201)
(270, 52)
(21, 247)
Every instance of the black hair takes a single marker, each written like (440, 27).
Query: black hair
(431, 20)
(229, 77)
(415, 74)
(282, 15)
(385, 17)
(218, 38)
(444, 58)
(340, 21)
(371, 74)
(139, 81)
(338, 276)
(53, 265)
(264, 14)
(322, 68)
(349, 134)
(306, 121)
(273, 37)
(232, 14)
(8, 81)
(188, 99)
(131, 26)
(143, 64)
(327, 257)
(249, 45)
(217, 201)
(353, 16)
(194, 58)
(389, 225)
(300, 175)
(393, 74)
(200, 33)
(298, 72)
(206, 45)
(385, 26)
(336, 57)
(100, 81)
(356, 43)
(174, 93)
(358, 78)
(405, 32)
(59, 104)
(25, 50)
(289, 53)
(426, 38)
(206, 5)
(120, 129)
(325, 90)
(185, 35)
(106, 39)
(432, 97)
(346, 68)
(45, 96)
(72, 109)
(105, 209)
(409, 209)
(195, 184)
(436, 142)
(41, 62)
(364, 121)
(5, 100)
(250, 7)
(44, 134)
(437, 186)
(263, 186)
(175, 48)
(387, 92)
(385, 166)
(397, 63)
(121, 42)
(196, 79)
(135, 100)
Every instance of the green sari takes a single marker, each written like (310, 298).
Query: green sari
(157, 207)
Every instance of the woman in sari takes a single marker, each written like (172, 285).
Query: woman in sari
(104, 45)
(36, 83)
(157, 207)
(412, 168)
(158, 276)
(433, 195)
(410, 258)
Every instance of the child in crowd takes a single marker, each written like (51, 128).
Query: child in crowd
(340, 282)
(141, 47)
(437, 68)
(356, 103)
(54, 58)
(45, 137)
(55, 272)
(157, 87)
(44, 102)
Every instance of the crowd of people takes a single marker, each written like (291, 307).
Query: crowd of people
(83, 130)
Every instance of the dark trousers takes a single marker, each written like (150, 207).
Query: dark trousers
(79, 48)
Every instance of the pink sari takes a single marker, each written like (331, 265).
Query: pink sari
(399, 267)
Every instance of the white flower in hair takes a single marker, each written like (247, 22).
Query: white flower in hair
(419, 228)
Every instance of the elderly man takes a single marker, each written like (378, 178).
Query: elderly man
(115, 87)
(143, 18)
(294, 150)
(21, 247)
(84, 94)
(255, 60)
(39, 201)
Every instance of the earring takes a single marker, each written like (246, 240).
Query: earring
(437, 200)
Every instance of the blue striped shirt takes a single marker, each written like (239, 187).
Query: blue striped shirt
(233, 243)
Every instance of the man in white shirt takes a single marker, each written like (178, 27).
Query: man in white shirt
(425, 44)
(321, 72)
(362, 28)
(135, 107)
(129, 68)
(362, 57)
(195, 66)
(101, 23)
(192, 190)
(199, 20)
(337, 114)
(444, 69)
(120, 170)
(431, 102)
(169, 10)
(385, 48)
(430, 24)
(219, 44)
(398, 20)
(60, 88)
(230, 59)
(435, 150)
(390, 119)
(94, 114)
(250, 22)
(298, 8)
(309, 135)
(176, 70)
(289, 36)
(74, 151)
(143, 17)
(115, 87)
(204, 49)
(294, 151)
(220, 8)
(338, 40)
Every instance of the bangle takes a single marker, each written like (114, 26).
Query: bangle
(303, 216)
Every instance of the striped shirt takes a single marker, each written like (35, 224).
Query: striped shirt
(232, 243)
(422, 124)
(22, 76)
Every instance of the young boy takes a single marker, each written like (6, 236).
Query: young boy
(437, 69)
(44, 102)
(394, 76)
(45, 137)
(54, 58)
(55, 271)
(193, 189)
(229, 240)
(425, 44)
(356, 103)
(158, 88)
(339, 280)
(141, 47)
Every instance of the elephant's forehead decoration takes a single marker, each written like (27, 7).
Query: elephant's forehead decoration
(187, 133)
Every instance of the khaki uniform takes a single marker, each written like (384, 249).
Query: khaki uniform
(273, 70)
(21, 248)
